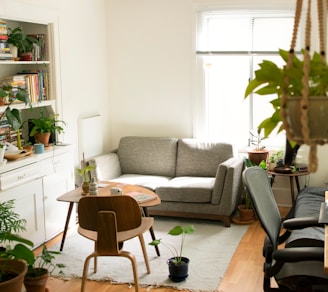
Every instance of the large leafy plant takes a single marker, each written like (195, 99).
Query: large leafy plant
(176, 231)
(271, 79)
(47, 124)
(19, 39)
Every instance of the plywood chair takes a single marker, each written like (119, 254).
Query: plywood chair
(109, 221)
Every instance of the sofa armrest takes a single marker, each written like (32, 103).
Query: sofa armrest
(228, 185)
(107, 166)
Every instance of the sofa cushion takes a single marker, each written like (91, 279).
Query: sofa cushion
(148, 155)
(107, 166)
(201, 158)
(187, 189)
(147, 181)
(308, 203)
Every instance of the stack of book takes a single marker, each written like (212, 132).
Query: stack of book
(7, 134)
(5, 53)
(34, 82)
(39, 48)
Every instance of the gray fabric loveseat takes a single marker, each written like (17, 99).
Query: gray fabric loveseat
(193, 178)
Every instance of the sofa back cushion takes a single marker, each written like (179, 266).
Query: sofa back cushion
(148, 155)
(201, 158)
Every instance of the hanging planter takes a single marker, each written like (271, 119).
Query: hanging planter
(301, 106)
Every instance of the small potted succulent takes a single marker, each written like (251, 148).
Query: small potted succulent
(178, 264)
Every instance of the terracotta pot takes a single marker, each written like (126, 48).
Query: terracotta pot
(256, 156)
(317, 117)
(42, 138)
(17, 268)
(28, 56)
(245, 214)
(36, 283)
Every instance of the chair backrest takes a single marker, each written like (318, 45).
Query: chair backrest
(260, 192)
(126, 209)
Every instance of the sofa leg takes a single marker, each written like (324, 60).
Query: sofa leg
(226, 221)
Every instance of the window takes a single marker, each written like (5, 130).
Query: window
(228, 48)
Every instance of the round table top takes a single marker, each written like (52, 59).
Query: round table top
(75, 195)
(295, 173)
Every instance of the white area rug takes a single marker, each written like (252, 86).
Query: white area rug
(209, 249)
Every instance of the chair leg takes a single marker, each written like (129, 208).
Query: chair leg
(85, 270)
(132, 258)
(95, 261)
(144, 251)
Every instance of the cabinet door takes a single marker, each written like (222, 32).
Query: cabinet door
(29, 205)
(54, 185)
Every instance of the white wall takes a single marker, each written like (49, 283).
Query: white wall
(150, 68)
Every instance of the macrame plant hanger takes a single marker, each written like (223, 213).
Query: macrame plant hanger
(304, 104)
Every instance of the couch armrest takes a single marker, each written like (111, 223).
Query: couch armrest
(107, 166)
(228, 185)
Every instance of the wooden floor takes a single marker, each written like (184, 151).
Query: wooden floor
(244, 272)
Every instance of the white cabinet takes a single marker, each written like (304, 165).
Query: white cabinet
(35, 182)
(54, 185)
(29, 205)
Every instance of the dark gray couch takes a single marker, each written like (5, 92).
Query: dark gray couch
(193, 178)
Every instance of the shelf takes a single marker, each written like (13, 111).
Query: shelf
(21, 106)
(3, 62)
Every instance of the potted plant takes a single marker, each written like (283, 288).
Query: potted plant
(274, 159)
(44, 126)
(84, 173)
(13, 115)
(301, 86)
(24, 43)
(259, 153)
(12, 269)
(178, 265)
(38, 271)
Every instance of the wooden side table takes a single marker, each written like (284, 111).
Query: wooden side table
(292, 176)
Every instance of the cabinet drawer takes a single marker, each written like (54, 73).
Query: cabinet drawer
(20, 176)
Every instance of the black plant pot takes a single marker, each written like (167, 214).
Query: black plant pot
(290, 153)
(178, 272)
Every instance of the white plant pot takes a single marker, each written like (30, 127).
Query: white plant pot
(13, 50)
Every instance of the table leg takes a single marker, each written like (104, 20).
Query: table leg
(291, 189)
(70, 208)
(151, 230)
(297, 184)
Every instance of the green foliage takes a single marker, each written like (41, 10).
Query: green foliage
(176, 231)
(275, 156)
(83, 172)
(270, 79)
(13, 115)
(47, 124)
(11, 223)
(256, 140)
(45, 260)
(23, 42)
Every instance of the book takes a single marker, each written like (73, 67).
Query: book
(141, 197)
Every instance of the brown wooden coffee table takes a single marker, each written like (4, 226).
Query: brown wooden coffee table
(75, 195)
